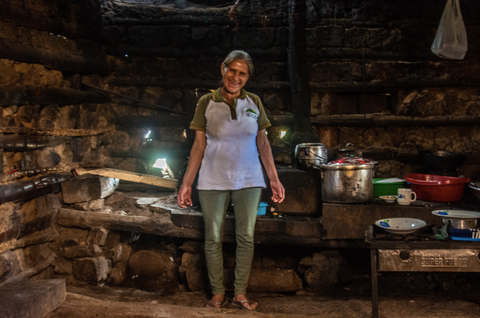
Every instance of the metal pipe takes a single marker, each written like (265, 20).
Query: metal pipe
(29, 143)
(27, 190)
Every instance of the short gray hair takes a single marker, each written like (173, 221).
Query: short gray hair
(239, 55)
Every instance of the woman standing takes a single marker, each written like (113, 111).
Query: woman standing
(230, 135)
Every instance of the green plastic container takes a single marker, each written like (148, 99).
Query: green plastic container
(380, 189)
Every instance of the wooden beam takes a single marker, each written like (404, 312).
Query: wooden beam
(58, 61)
(297, 62)
(340, 87)
(57, 132)
(43, 95)
(131, 176)
(136, 224)
(386, 120)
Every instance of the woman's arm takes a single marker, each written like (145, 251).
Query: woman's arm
(266, 156)
(184, 195)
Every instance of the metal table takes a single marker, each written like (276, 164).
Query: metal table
(417, 252)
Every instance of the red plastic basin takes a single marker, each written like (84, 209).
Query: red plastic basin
(431, 187)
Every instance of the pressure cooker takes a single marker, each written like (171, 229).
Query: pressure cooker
(310, 155)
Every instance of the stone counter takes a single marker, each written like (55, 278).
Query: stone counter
(349, 221)
(336, 225)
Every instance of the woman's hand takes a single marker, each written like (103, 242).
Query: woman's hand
(266, 156)
(278, 191)
(184, 196)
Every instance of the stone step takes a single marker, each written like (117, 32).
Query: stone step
(31, 298)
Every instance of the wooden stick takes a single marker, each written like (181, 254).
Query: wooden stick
(31, 271)
(131, 176)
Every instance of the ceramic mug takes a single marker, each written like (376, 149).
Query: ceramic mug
(405, 196)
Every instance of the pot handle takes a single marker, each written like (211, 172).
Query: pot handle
(307, 151)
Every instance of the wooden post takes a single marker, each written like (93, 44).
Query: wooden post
(297, 60)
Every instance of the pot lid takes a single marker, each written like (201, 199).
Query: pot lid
(348, 147)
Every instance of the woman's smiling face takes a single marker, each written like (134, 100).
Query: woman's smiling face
(235, 76)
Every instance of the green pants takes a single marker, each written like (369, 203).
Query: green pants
(214, 208)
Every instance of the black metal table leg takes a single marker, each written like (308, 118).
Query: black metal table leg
(373, 261)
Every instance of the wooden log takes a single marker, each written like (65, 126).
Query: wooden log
(314, 87)
(251, 85)
(159, 15)
(43, 95)
(278, 54)
(384, 120)
(39, 237)
(136, 224)
(88, 188)
(25, 228)
(31, 271)
(57, 132)
(393, 86)
(60, 61)
(131, 176)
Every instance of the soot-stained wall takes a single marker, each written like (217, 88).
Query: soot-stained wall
(364, 57)
(374, 82)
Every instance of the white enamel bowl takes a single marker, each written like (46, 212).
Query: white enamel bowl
(400, 225)
(389, 198)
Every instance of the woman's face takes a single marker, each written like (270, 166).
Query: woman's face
(235, 76)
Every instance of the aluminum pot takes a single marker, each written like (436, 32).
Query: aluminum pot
(347, 183)
(310, 155)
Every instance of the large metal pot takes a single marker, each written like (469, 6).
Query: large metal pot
(347, 183)
(468, 224)
(310, 155)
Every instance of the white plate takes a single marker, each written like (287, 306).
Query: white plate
(457, 214)
(400, 225)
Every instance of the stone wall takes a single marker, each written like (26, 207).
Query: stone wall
(160, 57)
(155, 61)
(363, 57)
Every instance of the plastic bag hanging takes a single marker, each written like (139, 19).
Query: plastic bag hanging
(451, 39)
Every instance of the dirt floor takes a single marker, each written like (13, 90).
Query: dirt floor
(103, 301)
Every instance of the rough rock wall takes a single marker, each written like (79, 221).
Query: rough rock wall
(365, 57)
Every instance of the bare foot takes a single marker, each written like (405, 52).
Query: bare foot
(243, 302)
(215, 302)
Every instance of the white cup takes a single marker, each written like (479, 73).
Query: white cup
(405, 196)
